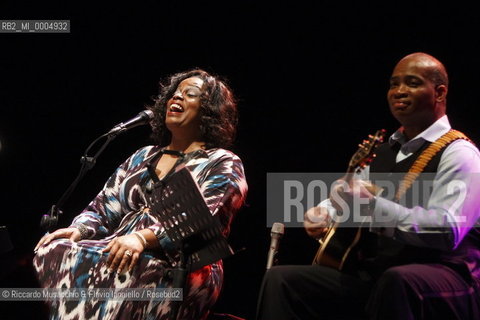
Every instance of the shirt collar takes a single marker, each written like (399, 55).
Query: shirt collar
(431, 134)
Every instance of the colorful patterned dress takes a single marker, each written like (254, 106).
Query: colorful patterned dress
(119, 209)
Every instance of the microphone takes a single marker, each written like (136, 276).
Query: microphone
(50, 220)
(140, 119)
(278, 229)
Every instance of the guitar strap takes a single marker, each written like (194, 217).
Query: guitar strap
(419, 165)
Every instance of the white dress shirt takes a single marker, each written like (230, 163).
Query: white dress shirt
(453, 207)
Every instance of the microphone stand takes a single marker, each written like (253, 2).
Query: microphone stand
(50, 220)
(179, 279)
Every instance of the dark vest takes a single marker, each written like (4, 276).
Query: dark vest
(391, 252)
(386, 155)
(384, 167)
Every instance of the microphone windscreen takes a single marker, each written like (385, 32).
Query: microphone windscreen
(148, 113)
(278, 227)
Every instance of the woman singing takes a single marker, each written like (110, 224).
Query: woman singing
(119, 242)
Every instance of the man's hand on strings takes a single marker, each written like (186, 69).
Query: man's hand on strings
(344, 194)
(316, 222)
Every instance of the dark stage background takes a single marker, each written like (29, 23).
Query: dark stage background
(311, 78)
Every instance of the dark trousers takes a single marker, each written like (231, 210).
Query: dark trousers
(415, 291)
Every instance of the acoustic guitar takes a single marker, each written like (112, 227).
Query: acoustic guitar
(339, 246)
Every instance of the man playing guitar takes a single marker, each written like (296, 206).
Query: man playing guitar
(427, 263)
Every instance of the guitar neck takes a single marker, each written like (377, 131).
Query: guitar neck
(349, 175)
(337, 243)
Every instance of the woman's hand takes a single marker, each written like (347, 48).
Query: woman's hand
(71, 233)
(316, 221)
(123, 251)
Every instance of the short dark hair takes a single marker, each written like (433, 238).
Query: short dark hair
(438, 76)
(218, 110)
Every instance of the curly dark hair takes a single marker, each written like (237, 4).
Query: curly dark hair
(218, 110)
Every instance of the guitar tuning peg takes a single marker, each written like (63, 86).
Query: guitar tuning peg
(361, 145)
(370, 136)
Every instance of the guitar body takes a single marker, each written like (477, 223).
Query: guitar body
(342, 247)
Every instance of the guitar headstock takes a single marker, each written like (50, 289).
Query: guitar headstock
(366, 151)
